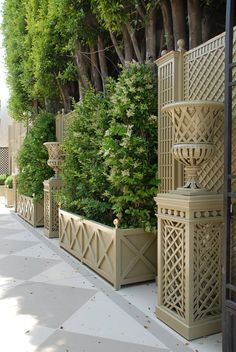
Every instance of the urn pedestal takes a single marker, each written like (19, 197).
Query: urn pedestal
(190, 229)
(51, 188)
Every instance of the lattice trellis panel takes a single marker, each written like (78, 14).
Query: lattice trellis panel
(173, 254)
(4, 165)
(207, 270)
(120, 256)
(202, 77)
(46, 210)
(169, 90)
(204, 80)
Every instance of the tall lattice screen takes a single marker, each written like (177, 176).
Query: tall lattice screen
(168, 91)
(202, 77)
(204, 80)
(4, 165)
(165, 130)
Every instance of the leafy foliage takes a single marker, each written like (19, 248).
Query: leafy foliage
(130, 147)
(3, 179)
(111, 162)
(83, 170)
(9, 182)
(33, 156)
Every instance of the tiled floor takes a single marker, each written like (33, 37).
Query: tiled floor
(49, 302)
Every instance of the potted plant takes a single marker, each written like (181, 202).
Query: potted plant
(33, 169)
(2, 185)
(9, 191)
(109, 180)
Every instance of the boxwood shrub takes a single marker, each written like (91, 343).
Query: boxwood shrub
(84, 181)
(9, 182)
(33, 156)
(2, 179)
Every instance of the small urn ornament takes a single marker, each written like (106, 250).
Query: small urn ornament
(193, 123)
(55, 156)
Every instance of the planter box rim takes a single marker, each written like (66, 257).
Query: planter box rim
(107, 226)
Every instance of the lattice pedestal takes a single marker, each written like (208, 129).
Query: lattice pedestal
(14, 177)
(190, 230)
(51, 222)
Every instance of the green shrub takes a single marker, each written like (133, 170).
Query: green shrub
(83, 169)
(110, 166)
(3, 179)
(9, 182)
(33, 156)
(130, 147)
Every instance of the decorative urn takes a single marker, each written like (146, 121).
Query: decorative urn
(55, 156)
(193, 124)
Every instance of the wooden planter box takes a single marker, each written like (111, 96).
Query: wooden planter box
(9, 195)
(121, 256)
(2, 191)
(30, 210)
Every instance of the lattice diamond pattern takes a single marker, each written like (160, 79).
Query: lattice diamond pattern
(4, 167)
(207, 270)
(47, 210)
(173, 257)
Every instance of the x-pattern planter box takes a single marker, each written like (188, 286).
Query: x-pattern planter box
(121, 256)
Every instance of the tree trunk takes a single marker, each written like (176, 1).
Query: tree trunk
(134, 42)
(194, 17)
(206, 24)
(129, 53)
(178, 16)
(117, 49)
(95, 69)
(65, 95)
(151, 35)
(167, 23)
(82, 66)
(102, 60)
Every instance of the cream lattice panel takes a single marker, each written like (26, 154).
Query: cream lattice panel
(4, 167)
(165, 130)
(207, 270)
(47, 210)
(204, 80)
(120, 256)
(173, 253)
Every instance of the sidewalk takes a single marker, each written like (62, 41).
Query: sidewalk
(49, 302)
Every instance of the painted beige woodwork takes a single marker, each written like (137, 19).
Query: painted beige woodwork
(9, 197)
(197, 74)
(193, 141)
(55, 156)
(51, 221)
(14, 177)
(30, 210)
(121, 256)
(61, 125)
(51, 188)
(190, 230)
(2, 191)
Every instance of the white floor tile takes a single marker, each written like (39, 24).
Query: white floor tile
(23, 236)
(39, 251)
(63, 274)
(101, 317)
(143, 296)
